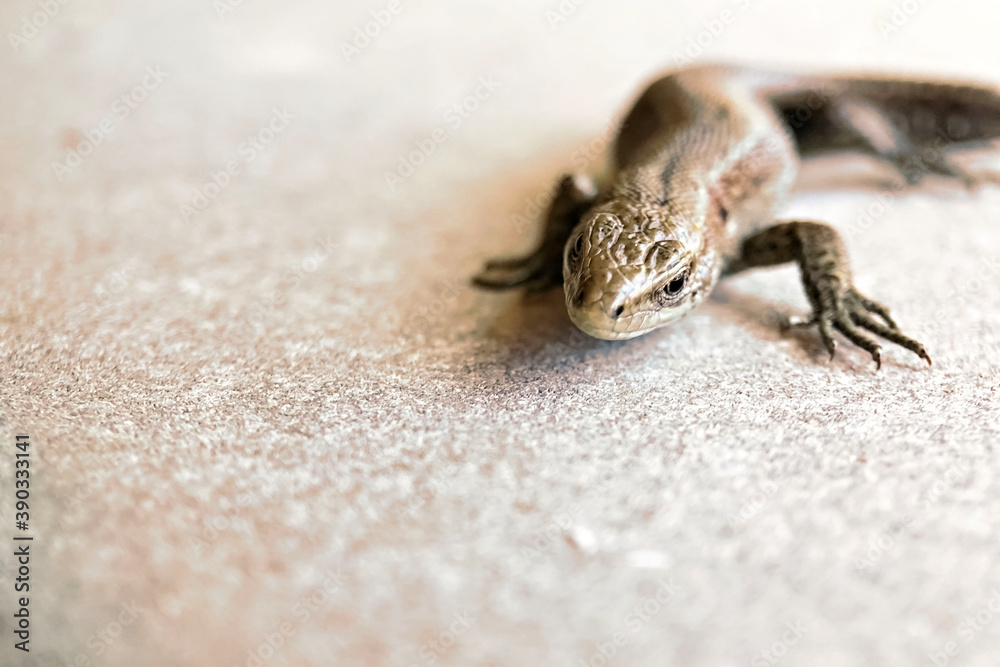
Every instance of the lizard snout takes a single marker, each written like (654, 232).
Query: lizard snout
(596, 310)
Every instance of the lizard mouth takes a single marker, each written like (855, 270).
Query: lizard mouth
(593, 321)
(607, 324)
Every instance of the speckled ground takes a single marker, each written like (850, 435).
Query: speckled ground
(273, 425)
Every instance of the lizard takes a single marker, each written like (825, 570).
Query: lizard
(699, 167)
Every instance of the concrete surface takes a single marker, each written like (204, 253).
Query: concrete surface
(278, 428)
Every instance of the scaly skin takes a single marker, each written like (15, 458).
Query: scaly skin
(702, 161)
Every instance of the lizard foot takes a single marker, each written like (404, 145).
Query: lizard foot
(542, 269)
(534, 271)
(826, 276)
(851, 313)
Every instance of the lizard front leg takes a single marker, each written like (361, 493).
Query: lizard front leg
(542, 268)
(826, 276)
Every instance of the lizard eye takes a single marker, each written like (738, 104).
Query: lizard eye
(675, 286)
(576, 249)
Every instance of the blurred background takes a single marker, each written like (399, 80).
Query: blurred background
(273, 424)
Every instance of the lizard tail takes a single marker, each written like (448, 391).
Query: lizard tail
(925, 111)
(887, 117)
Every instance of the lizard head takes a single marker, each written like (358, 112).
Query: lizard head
(627, 272)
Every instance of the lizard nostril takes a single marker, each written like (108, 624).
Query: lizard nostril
(578, 301)
(619, 310)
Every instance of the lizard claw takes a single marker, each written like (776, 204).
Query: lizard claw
(851, 313)
(824, 324)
